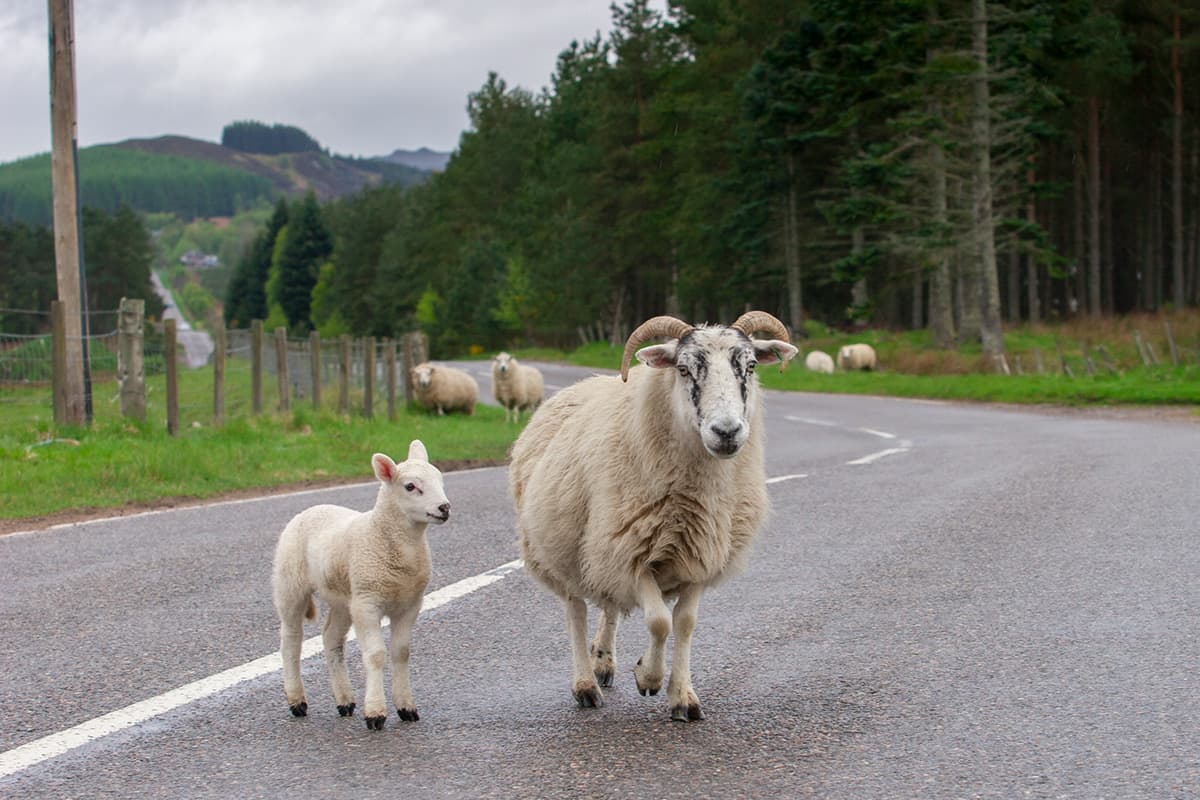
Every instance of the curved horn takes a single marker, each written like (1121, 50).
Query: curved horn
(753, 321)
(669, 327)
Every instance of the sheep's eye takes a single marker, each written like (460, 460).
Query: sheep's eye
(750, 366)
(682, 370)
(410, 486)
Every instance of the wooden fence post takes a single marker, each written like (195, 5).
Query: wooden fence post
(219, 347)
(314, 343)
(131, 361)
(256, 365)
(389, 375)
(171, 361)
(415, 350)
(281, 370)
(369, 377)
(344, 376)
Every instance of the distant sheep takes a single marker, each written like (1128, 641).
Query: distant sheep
(819, 361)
(365, 566)
(856, 356)
(444, 389)
(516, 387)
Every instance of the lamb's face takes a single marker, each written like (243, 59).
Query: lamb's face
(415, 484)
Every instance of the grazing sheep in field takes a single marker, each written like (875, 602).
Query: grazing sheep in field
(819, 361)
(443, 389)
(631, 493)
(365, 565)
(856, 356)
(516, 387)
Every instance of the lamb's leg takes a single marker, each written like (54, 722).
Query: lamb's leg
(685, 705)
(651, 667)
(367, 619)
(291, 638)
(584, 687)
(337, 624)
(604, 660)
(402, 625)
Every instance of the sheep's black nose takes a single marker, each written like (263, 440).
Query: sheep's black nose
(727, 430)
(445, 509)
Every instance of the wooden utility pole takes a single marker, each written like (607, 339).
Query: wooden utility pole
(68, 249)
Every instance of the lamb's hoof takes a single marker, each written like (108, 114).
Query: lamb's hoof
(408, 714)
(375, 723)
(687, 713)
(603, 666)
(588, 696)
(299, 709)
(604, 678)
(346, 710)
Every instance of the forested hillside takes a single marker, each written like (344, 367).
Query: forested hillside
(946, 164)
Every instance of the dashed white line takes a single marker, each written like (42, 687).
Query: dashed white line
(810, 421)
(56, 744)
(880, 434)
(782, 478)
(873, 457)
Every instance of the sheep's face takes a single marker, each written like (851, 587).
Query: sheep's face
(715, 390)
(423, 375)
(415, 484)
(503, 362)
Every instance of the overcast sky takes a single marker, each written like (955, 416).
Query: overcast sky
(362, 77)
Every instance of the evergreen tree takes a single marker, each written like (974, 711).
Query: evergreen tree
(307, 244)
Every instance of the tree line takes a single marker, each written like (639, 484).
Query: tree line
(250, 136)
(910, 163)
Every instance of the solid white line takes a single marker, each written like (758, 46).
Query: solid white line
(876, 456)
(781, 478)
(881, 434)
(56, 744)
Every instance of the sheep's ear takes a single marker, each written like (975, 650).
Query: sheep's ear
(659, 356)
(416, 451)
(385, 468)
(770, 351)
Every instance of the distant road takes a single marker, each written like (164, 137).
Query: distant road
(197, 345)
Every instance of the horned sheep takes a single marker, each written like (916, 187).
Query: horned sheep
(444, 389)
(819, 361)
(635, 491)
(365, 566)
(856, 356)
(516, 386)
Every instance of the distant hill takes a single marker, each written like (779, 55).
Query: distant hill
(423, 159)
(191, 178)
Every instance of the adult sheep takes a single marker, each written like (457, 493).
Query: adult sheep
(856, 356)
(444, 389)
(516, 386)
(819, 361)
(630, 494)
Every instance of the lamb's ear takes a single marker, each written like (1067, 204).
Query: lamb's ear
(385, 468)
(659, 356)
(416, 451)
(770, 351)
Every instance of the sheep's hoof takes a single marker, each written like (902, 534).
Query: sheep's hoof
(604, 666)
(375, 723)
(408, 714)
(687, 713)
(346, 710)
(588, 696)
(299, 709)
(645, 685)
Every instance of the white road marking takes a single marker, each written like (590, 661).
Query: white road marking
(876, 456)
(56, 744)
(782, 478)
(810, 421)
(881, 434)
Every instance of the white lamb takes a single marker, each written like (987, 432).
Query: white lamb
(365, 566)
(819, 361)
(856, 356)
(444, 389)
(630, 494)
(516, 386)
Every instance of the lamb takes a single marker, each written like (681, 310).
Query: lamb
(819, 361)
(631, 492)
(365, 566)
(516, 386)
(856, 356)
(444, 389)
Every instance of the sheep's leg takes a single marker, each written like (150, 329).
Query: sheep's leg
(604, 660)
(651, 667)
(402, 625)
(685, 705)
(291, 638)
(584, 687)
(367, 621)
(337, 624)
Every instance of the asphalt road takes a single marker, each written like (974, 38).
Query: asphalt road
(948, 602)
(197, 345)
